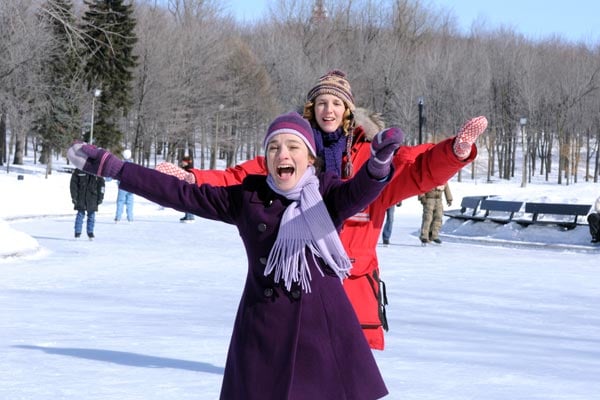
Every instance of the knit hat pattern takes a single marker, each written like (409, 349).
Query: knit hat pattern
(294, 124)
(334, 82)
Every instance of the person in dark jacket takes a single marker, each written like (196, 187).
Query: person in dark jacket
(87, 193)
(296, 335)
(594, 222)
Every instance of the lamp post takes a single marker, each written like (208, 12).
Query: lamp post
(97, 93)
(421, 120)
(213, 154)
(523, 122)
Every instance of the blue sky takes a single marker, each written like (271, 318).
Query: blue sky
(574, 20)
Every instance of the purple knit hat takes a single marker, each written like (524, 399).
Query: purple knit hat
(293, 123)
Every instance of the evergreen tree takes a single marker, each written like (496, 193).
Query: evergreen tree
(59, 119)
(110, 40)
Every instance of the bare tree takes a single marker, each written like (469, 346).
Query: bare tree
(207, 85)
(180, 76)
(23, 46)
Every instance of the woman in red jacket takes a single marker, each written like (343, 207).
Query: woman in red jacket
(343, 135)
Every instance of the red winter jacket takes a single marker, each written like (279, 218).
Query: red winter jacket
(418, 169)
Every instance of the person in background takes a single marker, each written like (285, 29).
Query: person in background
(87, 193)
(187, 163)
(295, 335)
(386, 233)
(343, 135)
(433, 212)
(594, 222)
(124, 198)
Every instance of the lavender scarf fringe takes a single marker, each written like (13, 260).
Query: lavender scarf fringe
(305, 226)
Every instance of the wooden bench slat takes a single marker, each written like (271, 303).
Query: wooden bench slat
(467, 203)
(504, 206)
(556, 209)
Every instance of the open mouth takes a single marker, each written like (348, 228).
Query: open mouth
(285, 171)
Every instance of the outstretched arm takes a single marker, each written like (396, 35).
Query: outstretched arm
(227, 177)
(423, 167)
(169, 191)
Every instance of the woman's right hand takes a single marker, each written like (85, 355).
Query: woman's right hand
(174, 170)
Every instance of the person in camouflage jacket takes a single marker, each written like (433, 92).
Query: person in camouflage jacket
(433, 211)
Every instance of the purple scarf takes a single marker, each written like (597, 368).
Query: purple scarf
(305, 225)
(331, 147)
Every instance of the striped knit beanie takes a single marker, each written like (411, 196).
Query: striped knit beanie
(334, 82)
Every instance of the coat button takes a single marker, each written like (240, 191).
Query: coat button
(295, 294)
(263, 260)
(262, 227)
(268, 292)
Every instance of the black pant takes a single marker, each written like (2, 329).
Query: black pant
(594, 223)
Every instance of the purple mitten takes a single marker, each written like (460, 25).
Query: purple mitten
(383, 146)
(95, 161)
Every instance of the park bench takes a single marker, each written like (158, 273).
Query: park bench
(501, 211)
(481, 208)
(561, 214)
(469, 207)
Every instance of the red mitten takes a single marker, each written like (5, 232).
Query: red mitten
(467, 135)
(174, 170)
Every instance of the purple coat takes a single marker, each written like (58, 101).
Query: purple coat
(284, 345)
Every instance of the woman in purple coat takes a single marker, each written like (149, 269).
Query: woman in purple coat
(296, 335)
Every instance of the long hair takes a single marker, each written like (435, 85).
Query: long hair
(348, 125)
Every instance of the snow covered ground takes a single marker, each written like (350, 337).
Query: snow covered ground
(145, 310)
